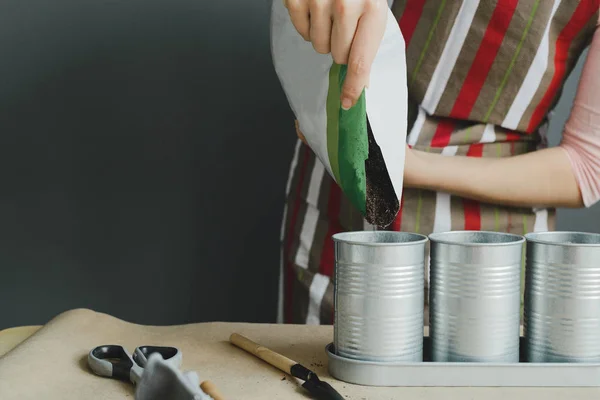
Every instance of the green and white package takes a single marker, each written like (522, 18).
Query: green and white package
(363, 148)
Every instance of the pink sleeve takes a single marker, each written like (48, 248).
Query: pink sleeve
(581, 138)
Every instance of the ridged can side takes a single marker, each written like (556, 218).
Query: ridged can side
(379, 296)
(562, 297)
(475, 301)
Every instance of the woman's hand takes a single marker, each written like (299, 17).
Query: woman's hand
(351, 30)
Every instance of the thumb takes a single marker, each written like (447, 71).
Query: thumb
(367, 39)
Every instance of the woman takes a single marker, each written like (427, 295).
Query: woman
(483, 77)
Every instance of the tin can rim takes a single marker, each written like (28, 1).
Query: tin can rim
(352, 238)
(548, 238)
(448, 238)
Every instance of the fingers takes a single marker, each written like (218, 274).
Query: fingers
(351, 30)
(345, 20)
(320, 25)
(369, 33)
(300, 16)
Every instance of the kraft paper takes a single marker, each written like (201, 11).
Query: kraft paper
(51, 364)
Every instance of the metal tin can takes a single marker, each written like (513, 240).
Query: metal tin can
(379, 295)
(562, 297)
(475, 296)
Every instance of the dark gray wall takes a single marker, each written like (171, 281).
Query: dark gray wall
(133, 174)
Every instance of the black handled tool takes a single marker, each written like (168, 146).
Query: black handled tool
(319, 389)
(113, 361)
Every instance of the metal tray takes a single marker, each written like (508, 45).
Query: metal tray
(434, 374)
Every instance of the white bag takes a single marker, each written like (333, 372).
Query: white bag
(363, 148)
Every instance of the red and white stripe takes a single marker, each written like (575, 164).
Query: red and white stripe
(295, 210)
(454, 44)
(413, 135)
(532, 79)
(484, 58)
(288, 185)
(318, 288)
(293, 166)
(326, 263)
(471, 208)
(581, 16)
(411, 139)
(319, 284)
(489, 134)
(443, 212)
(465, 101)
(478, 72)
(410, 18)
(311, 216)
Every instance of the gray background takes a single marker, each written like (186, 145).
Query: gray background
(133, 174)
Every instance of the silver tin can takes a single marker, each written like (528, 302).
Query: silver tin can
(379, 295)
(562, 297)
(475, 296)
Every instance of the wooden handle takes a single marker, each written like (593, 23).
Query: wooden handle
(210, 389)
(269, 356)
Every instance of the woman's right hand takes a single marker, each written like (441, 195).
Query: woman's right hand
(351, 30)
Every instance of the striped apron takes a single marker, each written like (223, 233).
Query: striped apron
(483, 78)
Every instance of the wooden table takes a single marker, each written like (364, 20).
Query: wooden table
(51, 363)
